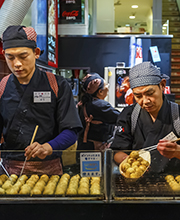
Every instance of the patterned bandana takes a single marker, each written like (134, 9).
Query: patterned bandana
(19, 36)
(92, 82)
(144, 74)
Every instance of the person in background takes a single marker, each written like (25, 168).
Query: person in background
(97, 115)
(154, 120)
(33, 97)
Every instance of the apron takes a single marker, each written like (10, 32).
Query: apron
(49, 167)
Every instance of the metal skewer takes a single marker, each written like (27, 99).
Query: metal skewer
(32, 140)
(4, 168)
(153, 147)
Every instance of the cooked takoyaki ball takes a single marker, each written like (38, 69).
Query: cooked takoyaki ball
(177, 178)
(12, 191)
(95, 191)
(83, 190)
(36, 191)
(95, 179)
(39, 187)
(72, 191)
(134, 154)
(13, 178)
(2, 191)
(34, 178)
(145, 163)
(45, 178)
(54, 178)
(7, 184)
(143, 167)
(130, 160)
(3, 178)
(60, 191)
(125, 166)
(169, 178)
(50, 187)
(25, 190)
(22, 179)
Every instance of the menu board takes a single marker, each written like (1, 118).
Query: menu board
(70, 11)
(52, 33)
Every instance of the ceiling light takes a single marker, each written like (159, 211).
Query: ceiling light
(127, 25)
(132, 17)
(134, 6)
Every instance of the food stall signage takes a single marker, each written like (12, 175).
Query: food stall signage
(70, 11)
(90, 164)
(52, 34)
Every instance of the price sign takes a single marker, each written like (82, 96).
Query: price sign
(90, 164)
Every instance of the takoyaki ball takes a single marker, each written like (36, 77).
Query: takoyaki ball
(18, 184)
(169, 178)
(85, 184)
(84, 179)
(135, 175)
(40, 185)
(95, 179)
(125, 166)
(13, 178)
(143, 167)
(25, 190)
(177, 178)
(7, 184)
(60, 191)
(130, 170)
(135, 163)
(173, 182)
(134, 154)
(30, 183)
(66, 175)
(23, 178)
(34, 177)
(145, 162)
(95, 191)
(36, 191)
(139, 170)
(95, 186)
(140, 159)
(4, 177)
(12, 191)
(48, 191)
(83, 191)
(76, 177)
(45, 178)
(51, 185)
(71, 191)
(54, 178)
(130, 160)
(2, 191)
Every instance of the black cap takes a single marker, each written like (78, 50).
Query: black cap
(19, 36)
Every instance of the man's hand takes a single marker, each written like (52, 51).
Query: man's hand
(168, 149)
(38, 150)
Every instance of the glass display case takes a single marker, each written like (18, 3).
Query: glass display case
(82, 177)
(89, 176)
(113, 194)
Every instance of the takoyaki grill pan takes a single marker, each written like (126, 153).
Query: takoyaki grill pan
(147, 187)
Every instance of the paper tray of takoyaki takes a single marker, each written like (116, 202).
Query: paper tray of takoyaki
(135, 165)
(51, 186)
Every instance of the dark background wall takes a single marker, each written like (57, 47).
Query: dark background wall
(99, 51)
